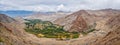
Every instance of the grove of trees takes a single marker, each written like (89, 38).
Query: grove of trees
(47, 29)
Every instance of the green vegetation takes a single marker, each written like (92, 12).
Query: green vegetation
(91, 30)
(1, 39)
(48, 30)
(86, 32)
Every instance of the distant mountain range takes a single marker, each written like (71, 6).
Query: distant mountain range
(14, 13)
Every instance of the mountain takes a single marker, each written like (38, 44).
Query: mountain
(23, 13)
(12, 33)
(46, 16)
(87, 18)
(6, 19)
(73, 22)
(106, 34)
(112, 37)
(14, 13)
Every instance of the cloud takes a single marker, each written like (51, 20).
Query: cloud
(60, 7)
(55, 5)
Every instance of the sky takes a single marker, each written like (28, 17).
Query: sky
(58, 5)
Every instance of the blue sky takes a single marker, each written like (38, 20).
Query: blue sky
(56, 5)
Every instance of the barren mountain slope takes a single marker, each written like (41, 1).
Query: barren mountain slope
(112, 37)
(90, 17)
(4, 18)
(107, 34)
(13, 33)
(46, 17)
